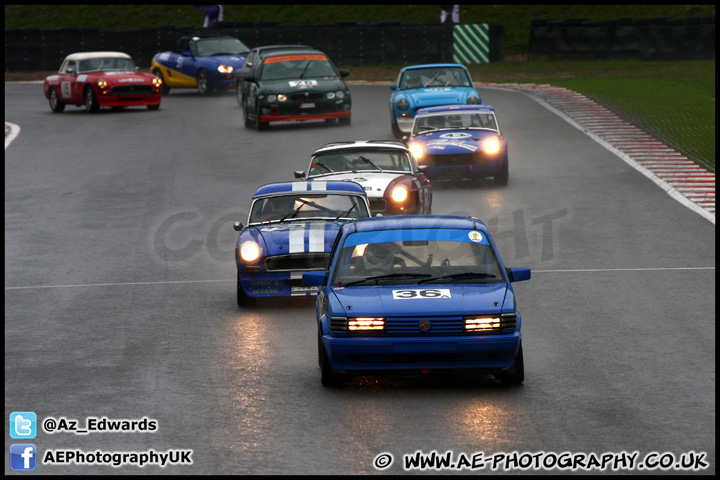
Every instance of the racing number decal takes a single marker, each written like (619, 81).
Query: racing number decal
(66, 92)
(421, 293)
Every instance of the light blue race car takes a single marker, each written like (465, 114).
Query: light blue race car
(417, 294)
(291, 229)
(429, 85)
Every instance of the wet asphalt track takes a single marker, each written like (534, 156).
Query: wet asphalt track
(119, 299)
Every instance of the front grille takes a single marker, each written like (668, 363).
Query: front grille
(132, 90)
(378, 205)
(454, 160)
(304, 97)
(296, 261)
(404, 326)
(317, 109)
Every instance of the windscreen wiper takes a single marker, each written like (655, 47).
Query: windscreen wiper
(370, 162)
(346, 212)
(294, 212)
(377, 278)
(459, 276)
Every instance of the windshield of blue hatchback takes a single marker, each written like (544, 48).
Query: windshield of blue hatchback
(416, 256)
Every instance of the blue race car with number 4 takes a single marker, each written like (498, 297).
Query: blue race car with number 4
(421, 86)
(202, 61)
(291, 228)
(460, 141)
(417, 293)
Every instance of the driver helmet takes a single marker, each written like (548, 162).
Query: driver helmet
(377, 256)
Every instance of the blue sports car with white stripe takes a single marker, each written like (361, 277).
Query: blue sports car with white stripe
(417, 293)
(291, 228)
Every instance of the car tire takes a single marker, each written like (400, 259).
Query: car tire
(158, 73)
(243, 299)
(502, 178)
(344, 121)
(153, 107)
(328, 376)
(55, 104)
(246, 119)
(203, 82)
(91, 103)
(239, 96)
(515, 375)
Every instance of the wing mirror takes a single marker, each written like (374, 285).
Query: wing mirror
(518, 274)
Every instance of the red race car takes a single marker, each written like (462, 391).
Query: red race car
(101, 79)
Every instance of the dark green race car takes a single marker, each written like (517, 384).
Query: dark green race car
(294, 85)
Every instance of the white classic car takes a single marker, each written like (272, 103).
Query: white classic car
(390, 175)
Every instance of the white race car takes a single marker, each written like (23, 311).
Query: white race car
(390, 175)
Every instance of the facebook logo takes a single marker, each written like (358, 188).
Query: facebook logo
(23, 456)
(23, 425)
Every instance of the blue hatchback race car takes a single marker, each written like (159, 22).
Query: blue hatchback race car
(462, 141)
(202, 61)
(417, 293)
(422, 86)
(291, 228)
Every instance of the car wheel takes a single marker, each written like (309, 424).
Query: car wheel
(328, 376)
(243, 299)
(246, 118)
(239, 96)
(344, 121)
(203, 82)
(91, 103)
(153, 107)
(515, 375)
(55, 104)
(158, 73)
(502, 177)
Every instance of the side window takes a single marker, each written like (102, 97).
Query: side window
(250, 60)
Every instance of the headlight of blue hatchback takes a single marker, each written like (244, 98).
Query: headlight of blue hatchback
(403, 104)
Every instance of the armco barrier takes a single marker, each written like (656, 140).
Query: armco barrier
(689, 38)
(347, 43)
